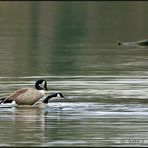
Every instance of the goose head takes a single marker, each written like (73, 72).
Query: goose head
(41, 85)
(53, 95)
(119, 43)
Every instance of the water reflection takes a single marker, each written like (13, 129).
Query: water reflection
(21, 126)
(75, 124)
(93, 124)
(71, 38)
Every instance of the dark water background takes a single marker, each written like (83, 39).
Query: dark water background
(73, 45)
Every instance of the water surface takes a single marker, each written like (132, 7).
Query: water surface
(73, 45)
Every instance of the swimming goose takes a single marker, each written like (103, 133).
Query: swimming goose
(143, 43)
(53, 95)
(27, 96)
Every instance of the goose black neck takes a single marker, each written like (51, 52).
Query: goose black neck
(49, 97)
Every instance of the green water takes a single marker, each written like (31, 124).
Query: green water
(73, 45)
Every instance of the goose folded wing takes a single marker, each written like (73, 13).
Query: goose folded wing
(14, 95)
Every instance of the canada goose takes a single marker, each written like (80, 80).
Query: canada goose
(142, 43)
(27, 96)
(53, 95)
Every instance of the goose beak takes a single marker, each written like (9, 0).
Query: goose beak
(62, 96)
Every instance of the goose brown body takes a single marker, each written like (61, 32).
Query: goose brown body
(27, 96)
